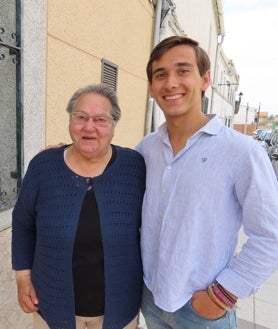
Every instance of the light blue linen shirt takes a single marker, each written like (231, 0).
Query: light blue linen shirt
(194, 206)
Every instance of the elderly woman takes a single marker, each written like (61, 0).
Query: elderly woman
(75, 240)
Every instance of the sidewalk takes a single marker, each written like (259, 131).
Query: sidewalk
(257, 312)
(11, 316)
(260, 311)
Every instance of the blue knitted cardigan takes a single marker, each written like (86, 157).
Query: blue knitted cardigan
(45, 220)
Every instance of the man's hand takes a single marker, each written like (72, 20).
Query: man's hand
(52, 146)
(27, 297)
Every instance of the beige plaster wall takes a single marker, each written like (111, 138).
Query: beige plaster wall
(81, 33)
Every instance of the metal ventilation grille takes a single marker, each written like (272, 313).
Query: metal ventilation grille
(109, 74)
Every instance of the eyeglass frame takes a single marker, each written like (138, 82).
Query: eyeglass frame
(94, 117)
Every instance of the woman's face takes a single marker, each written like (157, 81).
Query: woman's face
(92, 138)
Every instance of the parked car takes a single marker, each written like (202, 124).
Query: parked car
(263, 137)
(275, 167)
(272, 150)
(256, 133)
(261, 133)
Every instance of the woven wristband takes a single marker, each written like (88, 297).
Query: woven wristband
(217, 300)
(222, 297)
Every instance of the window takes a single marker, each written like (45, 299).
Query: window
(10, 123)
(109, 74)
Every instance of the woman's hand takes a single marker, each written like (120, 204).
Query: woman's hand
(205, 307)
(27, 297)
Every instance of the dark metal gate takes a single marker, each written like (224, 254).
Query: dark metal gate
(10, 103)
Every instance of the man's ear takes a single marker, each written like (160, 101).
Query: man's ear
(150, 89)
(205, 81)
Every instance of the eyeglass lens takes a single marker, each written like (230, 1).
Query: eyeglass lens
(81, 118)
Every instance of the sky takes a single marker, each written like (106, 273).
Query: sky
(251, 41)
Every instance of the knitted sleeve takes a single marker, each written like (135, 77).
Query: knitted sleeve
(23, 219)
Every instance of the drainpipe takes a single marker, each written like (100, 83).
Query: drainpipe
(213, 87)
(150, 109)
(217, 5)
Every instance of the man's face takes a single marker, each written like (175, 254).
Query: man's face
(176, 82)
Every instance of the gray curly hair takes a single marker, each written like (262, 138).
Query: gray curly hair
(99, 89)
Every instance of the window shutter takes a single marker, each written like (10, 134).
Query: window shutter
(109, 74)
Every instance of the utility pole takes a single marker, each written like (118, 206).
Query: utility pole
(246, 119)
(258, 117)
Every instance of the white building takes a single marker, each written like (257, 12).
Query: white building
(203, 21)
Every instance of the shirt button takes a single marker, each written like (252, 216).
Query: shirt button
(164, 190)
(169, 167)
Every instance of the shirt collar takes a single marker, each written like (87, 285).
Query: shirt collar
(212, 127)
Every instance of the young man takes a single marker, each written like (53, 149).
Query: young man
(204, 181)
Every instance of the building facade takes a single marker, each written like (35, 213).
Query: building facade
(203, 21)
(49, 48)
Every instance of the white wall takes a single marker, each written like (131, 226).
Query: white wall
(196, 19)
(242, 115)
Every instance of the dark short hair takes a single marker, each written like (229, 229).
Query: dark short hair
(202, 58)
(99, 89)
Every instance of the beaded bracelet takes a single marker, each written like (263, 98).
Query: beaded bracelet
(222, 297)
(216, 300)
(225, 293)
